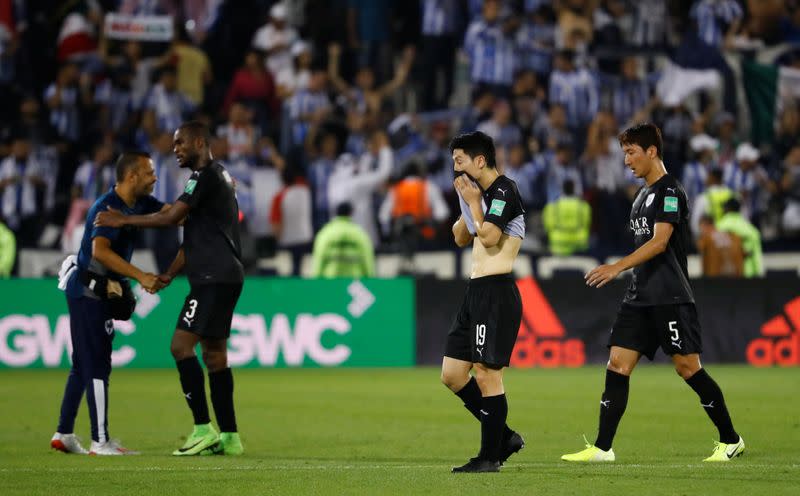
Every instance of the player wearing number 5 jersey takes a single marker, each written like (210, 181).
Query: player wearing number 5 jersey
(483, 333)
(658, 309)
(211, 258)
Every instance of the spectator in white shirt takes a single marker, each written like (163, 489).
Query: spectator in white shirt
(275, 39)
(290, 216)
(22, 185)
(355, 179)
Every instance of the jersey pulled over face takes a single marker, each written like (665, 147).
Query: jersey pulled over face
(211, 230)
(664, 279)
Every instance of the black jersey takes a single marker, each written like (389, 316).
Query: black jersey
(664, 279)
(211, 230)
(504, 207)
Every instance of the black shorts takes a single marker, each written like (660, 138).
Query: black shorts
(485, 329)
(675, 328)
(208, 309)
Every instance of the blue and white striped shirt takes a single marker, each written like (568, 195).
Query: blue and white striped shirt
(301, 104)
(167, 184)
(555, 175)
(170, 107)
(711, 15)
(577, 91)
(65, 118)
(438, 17)
(491, 53)
(119, 102)
(650, 22)
(319, 175)
(627, 97)
(94, 181)
(19, 199)
(747, 184)
(527, 176)
(694, 180)
(535, 45)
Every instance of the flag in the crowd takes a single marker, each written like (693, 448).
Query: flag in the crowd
(678, 82)
(768, 88)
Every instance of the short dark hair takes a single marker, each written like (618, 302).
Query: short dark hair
(197, 129)
(732, 205)
(569, 187)
(716, 174)
(344, 209)
(128, 161)
(474, 144)
(644, 135)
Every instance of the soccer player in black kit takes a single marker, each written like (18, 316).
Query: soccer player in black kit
(482, 336)
(658, 308)
(211, 258)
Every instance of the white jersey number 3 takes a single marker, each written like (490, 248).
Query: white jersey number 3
(192, 308)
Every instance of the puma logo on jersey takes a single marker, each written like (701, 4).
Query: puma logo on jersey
(502, 191)
(677, 344)
(710, 405)
(605, 403)
(188, 321)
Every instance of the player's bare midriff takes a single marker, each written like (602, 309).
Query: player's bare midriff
(498, 259)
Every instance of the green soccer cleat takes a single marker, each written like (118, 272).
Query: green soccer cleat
(229, 444)
(590, 454)
(726, 452)
(202, 437)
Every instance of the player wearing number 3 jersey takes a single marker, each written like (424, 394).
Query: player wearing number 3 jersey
(483, 333)
(211, 258)
(658, 309)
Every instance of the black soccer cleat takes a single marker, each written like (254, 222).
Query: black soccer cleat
(511, 446)
(477, 465)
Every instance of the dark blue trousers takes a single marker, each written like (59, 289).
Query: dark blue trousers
(92, 331)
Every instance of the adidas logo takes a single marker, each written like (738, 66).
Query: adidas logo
(541, 341)
(780, 344)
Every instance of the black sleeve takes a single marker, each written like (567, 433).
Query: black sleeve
(500, 207)
(152, 205)
(196, 187)
(669, 202)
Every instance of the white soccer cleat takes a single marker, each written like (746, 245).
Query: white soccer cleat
(111, 448)
(67, 443)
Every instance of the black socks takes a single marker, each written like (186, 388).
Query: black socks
(714, 404)
(612, 406)
(470, 394)
(221, 383)
(193, 384)
(494, 410)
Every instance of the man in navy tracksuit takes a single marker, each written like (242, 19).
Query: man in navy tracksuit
(97, 293)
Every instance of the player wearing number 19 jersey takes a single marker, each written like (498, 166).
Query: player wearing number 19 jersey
(658, 309)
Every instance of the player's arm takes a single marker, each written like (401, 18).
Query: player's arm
(174, 269)
(171, 216)
(461, 233)
(102, 252)
(486, 232)
(600, 276)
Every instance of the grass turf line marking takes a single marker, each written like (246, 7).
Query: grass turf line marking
(376, 467)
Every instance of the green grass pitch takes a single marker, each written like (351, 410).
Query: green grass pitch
(398, 431)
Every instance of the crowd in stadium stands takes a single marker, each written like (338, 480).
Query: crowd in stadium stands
(314, 103)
